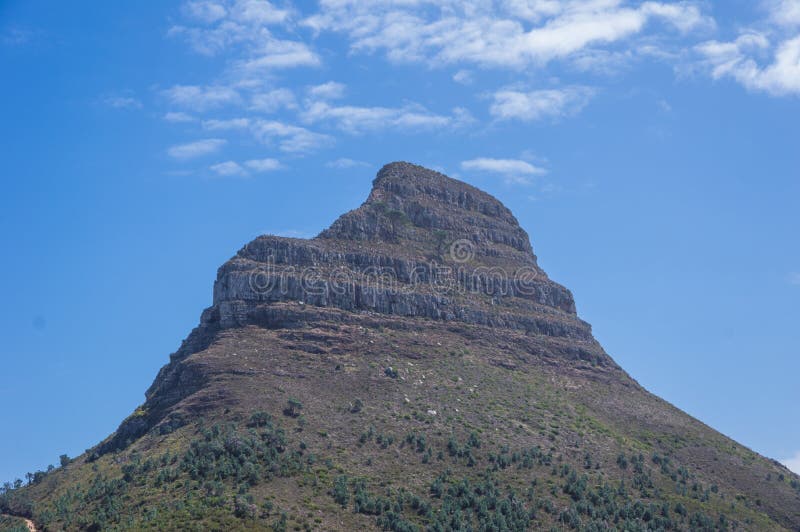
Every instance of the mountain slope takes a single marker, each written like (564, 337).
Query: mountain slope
(410, 368)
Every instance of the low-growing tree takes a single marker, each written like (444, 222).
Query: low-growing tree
(293, 407)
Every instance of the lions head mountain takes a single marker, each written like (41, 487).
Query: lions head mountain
(410, 368)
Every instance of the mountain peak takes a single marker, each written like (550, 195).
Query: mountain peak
(417, 207)
(415, 340)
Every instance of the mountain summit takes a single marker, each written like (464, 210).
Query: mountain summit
(410, 368)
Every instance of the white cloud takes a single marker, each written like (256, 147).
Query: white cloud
(122, 102)
(263, 165)
(271, 101)
(738, 59)
(356, 119)
(205, 11)
(229, 169)
(784, 12)
(764, 60)
(344, 163)
(463, 76)
(227, 24)
(196, 149)
(260, 12)
(514, 171)
(274, 53)
(290, 138)
(793, 463)
(176, 117)
(327, 91)
(510, 33)
(234, 169)
(202, 98)
(529, 106)
(229, 124)
(794, 278)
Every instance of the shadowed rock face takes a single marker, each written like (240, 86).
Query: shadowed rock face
(422, 246)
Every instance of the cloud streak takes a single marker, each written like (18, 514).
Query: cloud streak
(195, 149)
(234, 169)
(495, 34)
(202, 98)
(536, 105)
(357, 119)
(514, 171)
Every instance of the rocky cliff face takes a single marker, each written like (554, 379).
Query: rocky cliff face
(423, 246)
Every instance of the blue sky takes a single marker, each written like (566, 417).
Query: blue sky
(649, 148)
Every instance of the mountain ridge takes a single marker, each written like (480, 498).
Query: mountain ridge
(415, 338)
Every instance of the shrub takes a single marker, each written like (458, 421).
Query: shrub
(340, 492)
(259, 419)
(293, 408)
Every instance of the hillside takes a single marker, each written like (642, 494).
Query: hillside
(410, 368)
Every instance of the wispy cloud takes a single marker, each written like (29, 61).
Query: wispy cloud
(738, 59)
(794, 278)
(344, 163)
(178, 117)
(331, 90)
(764, 57)
(122, 102)
(514, 171)
(464, 77)
(289, 138)
(202, 98)
(530, 106)
(234, 169)
(358, 119)
(263, 165)
(229, 169)
(273, 100)
(205, 11)
(215, 124)
(506, 34)
(196, 149)
(247, 26)
(277, 54)
(784, 13)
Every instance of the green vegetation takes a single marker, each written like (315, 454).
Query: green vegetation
(506, 450)
(293, 408)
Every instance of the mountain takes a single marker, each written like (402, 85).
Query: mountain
(410, 368)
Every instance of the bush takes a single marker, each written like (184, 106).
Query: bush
(259, 419)
(293, 408)
(340, 492)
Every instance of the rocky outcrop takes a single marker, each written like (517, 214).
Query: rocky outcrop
(422, 246)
